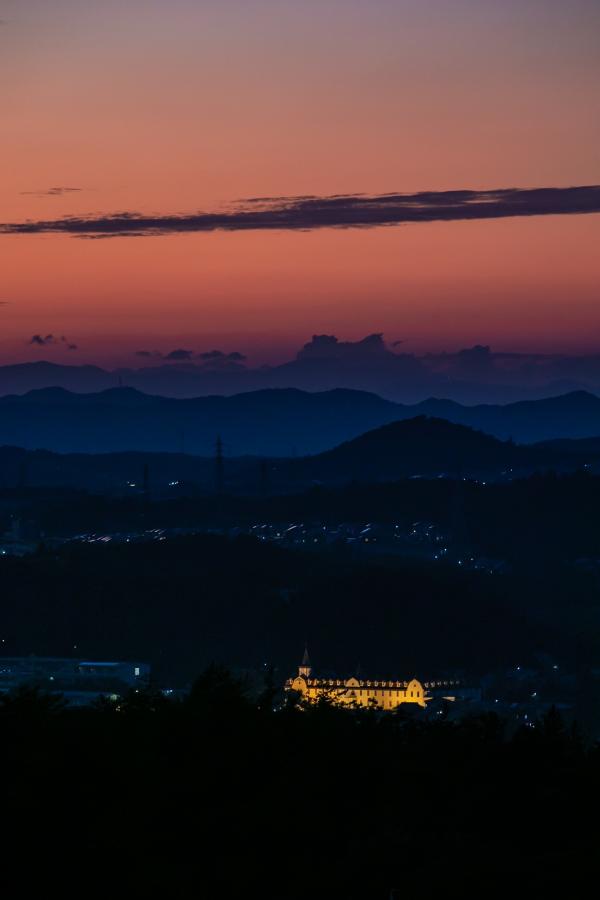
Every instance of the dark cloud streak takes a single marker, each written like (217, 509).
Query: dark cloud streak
(339, 211)
(50, 339)
(180, 354)
(52, 192)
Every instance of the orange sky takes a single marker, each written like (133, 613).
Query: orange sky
(175, 107)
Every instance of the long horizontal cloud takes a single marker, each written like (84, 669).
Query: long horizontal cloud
(52, 192)
(339, 211)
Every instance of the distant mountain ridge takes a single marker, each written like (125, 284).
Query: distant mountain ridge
(471, 375)
(572, 415)
(272, 423)
(284, 422)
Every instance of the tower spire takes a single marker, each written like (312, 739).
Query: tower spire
(305, 667)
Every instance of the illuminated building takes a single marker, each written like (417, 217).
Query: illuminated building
(355, 691)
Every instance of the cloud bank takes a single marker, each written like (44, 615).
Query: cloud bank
(473, 374)
(210, 358)
(339, 211)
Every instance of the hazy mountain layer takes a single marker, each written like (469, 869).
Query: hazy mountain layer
(264, 423)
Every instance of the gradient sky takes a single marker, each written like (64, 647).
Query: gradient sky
(174, 107)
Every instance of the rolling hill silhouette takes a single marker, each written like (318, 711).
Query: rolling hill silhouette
(419, 447)
(422, 446)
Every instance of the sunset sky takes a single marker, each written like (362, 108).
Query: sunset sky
(172, 108)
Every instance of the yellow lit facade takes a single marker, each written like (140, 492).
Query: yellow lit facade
(357, 691)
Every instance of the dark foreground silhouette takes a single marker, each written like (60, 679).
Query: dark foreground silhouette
(219, 795)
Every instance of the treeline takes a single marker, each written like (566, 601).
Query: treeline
(220, 795)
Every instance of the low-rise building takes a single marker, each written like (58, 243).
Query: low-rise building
(79, 680)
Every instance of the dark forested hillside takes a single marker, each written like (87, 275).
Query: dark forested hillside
(180, 604)
(419, 447)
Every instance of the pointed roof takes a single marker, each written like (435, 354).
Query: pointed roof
(306, 657)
